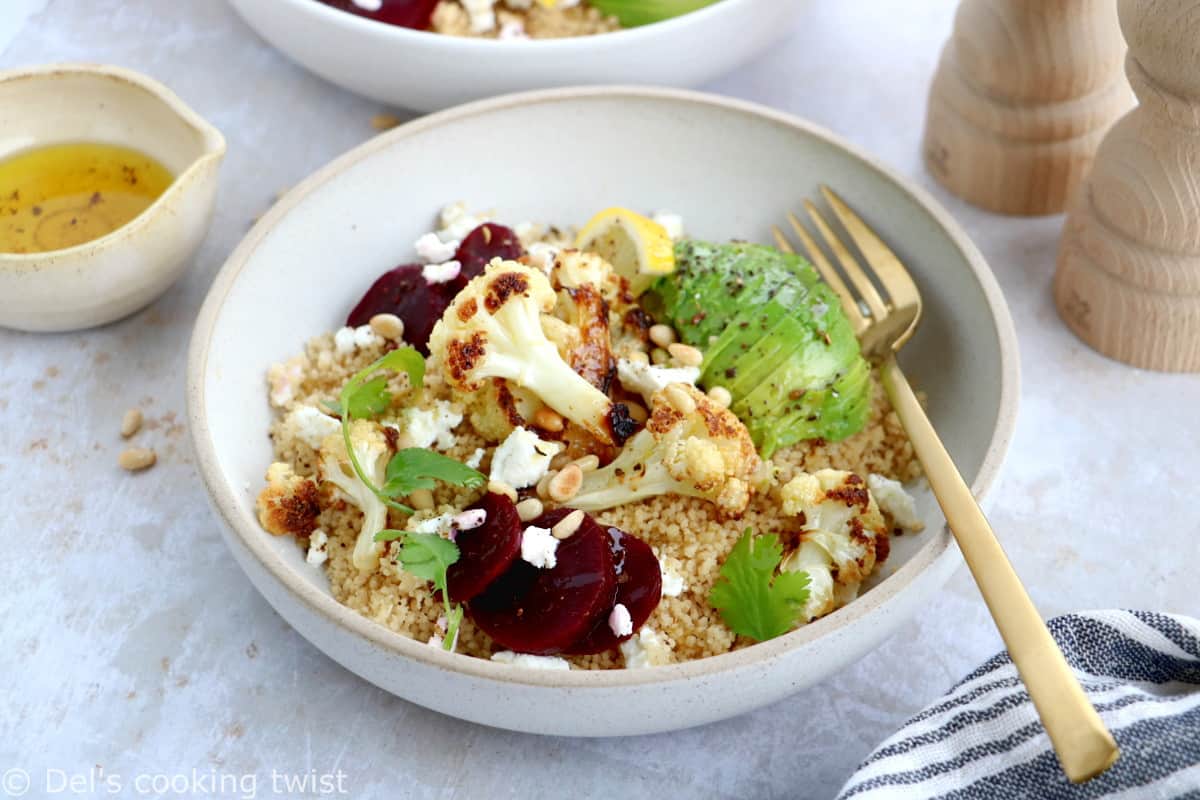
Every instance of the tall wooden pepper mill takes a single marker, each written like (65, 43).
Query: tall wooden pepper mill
(1128, 279)
(1024, 92)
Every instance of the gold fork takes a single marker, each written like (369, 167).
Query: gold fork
(1084, 746)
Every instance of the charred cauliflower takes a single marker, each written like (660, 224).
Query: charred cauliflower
(493, 329)
(843, 534)
(372, 450)
(289, 504)
(690, 446)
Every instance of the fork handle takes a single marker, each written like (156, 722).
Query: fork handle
(1084, 746)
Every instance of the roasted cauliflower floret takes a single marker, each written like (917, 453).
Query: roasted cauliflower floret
(840, 539)
(372, 451)
(690, 446)
(493, 329)
(289, 503)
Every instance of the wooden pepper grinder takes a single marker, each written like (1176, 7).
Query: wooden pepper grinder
(1024, 92)
(1128, 279)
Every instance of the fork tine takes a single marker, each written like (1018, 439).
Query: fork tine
(857, 321)
(781, 241)
(887, 267)
(849, 265)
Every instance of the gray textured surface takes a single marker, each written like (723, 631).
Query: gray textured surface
(131, 642)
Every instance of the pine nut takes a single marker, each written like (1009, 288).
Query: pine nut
(637, 413)
(638, 357)
(563, 486)
(529, 509)
(383, 122)
(500, 487)
(136, 459)
(721, 396)
(588, 463)
(131, 423)
(548, 419)
(679, 399)
(686, 354)
(567, 526)
(421, 499)
(389, 326)
(658, 356)
(662, 335)
(543, 486)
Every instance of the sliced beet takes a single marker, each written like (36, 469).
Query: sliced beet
(639, 589)
(544, 611)
(403, 291)
(485, 553)
(480, 246)
(404, 13)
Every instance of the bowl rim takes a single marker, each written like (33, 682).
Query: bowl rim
(213, 151)
(319, 601)
(620, 37)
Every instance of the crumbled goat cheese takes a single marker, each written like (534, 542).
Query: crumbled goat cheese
(475, 459)
(619, 621)
(441, 273)
(368, 5)
(513, 29)
(530, 662)
(539, 547)
(469, 520)
(672, 584)
(422, 427)
(346, 340)
(672, 223)
(442, 523)
(646, 379)
(432, 250)
(894, 501)
(310, 426)
(522, 459)
(456, 222)
(317, 552)
(483, 16)
(542, 255)
(283, 380)
(646, 649)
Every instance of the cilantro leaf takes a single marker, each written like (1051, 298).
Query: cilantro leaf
(752, 599)
(365, 395)
(414, 468)
(429, 556)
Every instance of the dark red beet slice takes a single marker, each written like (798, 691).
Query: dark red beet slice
(639, 588)
(404, 292)
(486, 552)
(405, 13)
(544, 611)
(480, 246)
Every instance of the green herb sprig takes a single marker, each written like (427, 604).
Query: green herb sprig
(428, 556)
(366, 396)
(752, 599)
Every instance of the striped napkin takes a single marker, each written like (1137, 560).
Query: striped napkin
(983, 739)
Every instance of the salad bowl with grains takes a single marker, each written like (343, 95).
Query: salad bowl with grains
(570, 469)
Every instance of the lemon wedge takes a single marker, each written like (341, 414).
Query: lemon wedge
(639, 249)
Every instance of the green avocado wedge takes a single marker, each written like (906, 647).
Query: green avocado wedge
(772, 334)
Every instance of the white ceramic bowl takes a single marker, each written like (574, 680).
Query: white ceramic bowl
(427, 71)
(731, 169)
(113, 276)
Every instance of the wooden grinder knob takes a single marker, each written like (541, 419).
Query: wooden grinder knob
(1023, 93)
(1128, 278)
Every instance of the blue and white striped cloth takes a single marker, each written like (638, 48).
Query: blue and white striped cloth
(983, 739)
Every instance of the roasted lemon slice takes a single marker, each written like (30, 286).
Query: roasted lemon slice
(638, 248)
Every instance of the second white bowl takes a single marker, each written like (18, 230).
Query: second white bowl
(428, 71)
